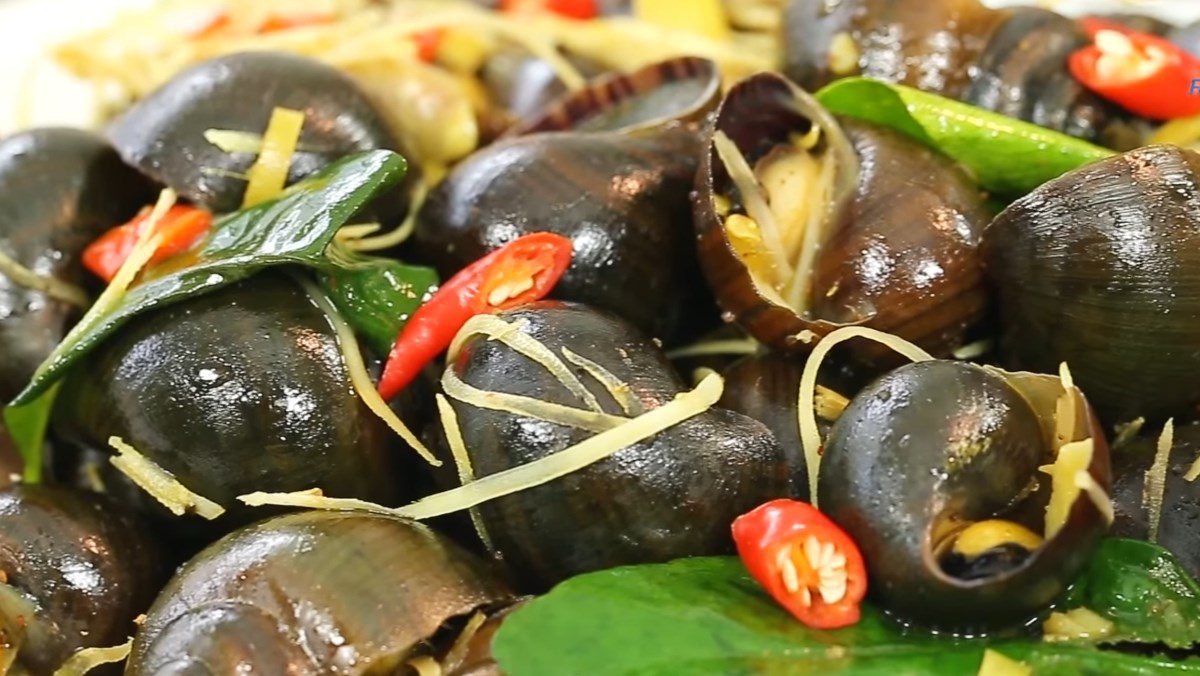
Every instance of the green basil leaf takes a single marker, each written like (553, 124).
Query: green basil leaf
(376, 295)
(27, 428)
(1005, 155)
(1144, 591)
(706, 615)
(296, 228)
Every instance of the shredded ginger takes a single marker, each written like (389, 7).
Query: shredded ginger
(684, 406)
(1155, 483)
(87, 659)
(495, 328)
(810, 434)
(268, 175)
(1073, 625)
(159, 483)
(997, 664)
(359, 378)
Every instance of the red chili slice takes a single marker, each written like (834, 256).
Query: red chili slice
(181, 227)
(520, 272)
(806, 562)
(1143, 73)
(572, 9)
(428, 43)
(283, 22)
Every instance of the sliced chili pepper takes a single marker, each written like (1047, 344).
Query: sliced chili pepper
(283, 22)
(181, 227)
(571, 9)
(520, 272)
(806, 562)
(1143, 73)
(428, 42)
(197, 26)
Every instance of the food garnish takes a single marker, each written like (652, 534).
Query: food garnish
(806, 562)
(269, 174)
(87, 659)
(591, 450)
(159, 483)
(1144, 73)
(180, 228)
(522, 271)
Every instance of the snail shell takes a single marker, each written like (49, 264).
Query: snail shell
(239, 390)
(609, 167)
(666, 497)
(932, 447)
(923, 44)
(897, 239)
(60, 189)
(162, 135)
(1023, 73)
(312, 593)
(83, 566)
(1180, 509)
(1100, 268)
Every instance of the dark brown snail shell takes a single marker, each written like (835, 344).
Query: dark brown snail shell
(241, 390)
(1023, 73)
(519, 83)
(671, 496)
(1180, 513)
(523, 86)
(609, 167)
(923, 44)
(899, 251)
(59, 190)
(1012, 61)
(312, 593)
(937, 444)
(670, 93)
(84, 566)
(766, 387)
(1100, 268)
(162, 135)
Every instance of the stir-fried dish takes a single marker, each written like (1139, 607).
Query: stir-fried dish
(601, 337)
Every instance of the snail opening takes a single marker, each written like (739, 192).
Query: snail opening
(987, 548)
(1008, 538)
(778, 226)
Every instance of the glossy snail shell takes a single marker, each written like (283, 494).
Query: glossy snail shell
(935, 445)
(610, 167)
(312, 593)
(1100, 268)
(899, 241)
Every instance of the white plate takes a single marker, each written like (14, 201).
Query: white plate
(28, 27)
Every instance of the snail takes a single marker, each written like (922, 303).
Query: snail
(610, 167)
(75, 569)
(975, 495)
(60, 189)
(257, 396)
(1099, 268)
(313, 593)
(806, 224)
(167, 134)
(666, 497)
